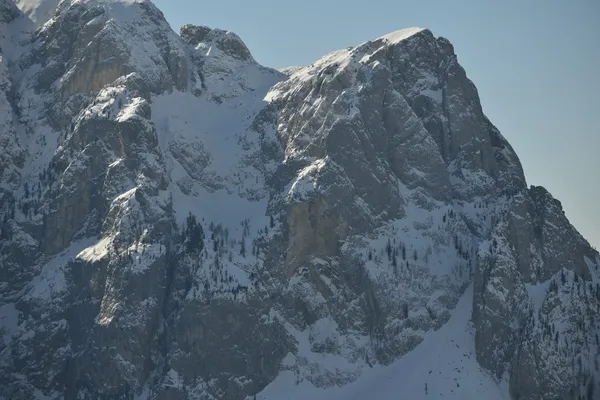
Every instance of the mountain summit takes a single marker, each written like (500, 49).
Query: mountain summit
(180, 222)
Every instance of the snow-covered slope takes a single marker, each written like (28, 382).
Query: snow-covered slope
(443, 365)
(180, 222)
(39, 11)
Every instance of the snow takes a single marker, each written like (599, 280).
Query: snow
(433, 94)
(538, 293)
(51, 281)
(42, 11)
(9, 322)
(229, 188)
(340, 60)
(143, 256)
(211, 151)
(211, 155)
(442, 366)
(593, 267)
(39, 11)
(320, 368)
(183, 117)
(429, 233)
(402, 34)
(305, 183)
(96, 252)
(219, 206)
(173, 379)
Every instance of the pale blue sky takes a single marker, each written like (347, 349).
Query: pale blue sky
(536, 64)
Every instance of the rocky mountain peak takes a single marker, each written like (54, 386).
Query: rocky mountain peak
(180, 222)
(212, 41)
(193, 34)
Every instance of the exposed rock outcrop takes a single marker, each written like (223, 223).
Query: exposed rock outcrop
(179, 222)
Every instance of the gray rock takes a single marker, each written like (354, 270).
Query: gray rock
(193, 34)
(179, 222)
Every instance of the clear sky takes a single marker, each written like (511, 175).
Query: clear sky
(536, 64)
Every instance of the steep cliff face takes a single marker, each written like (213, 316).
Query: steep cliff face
(537, 301)
(180, 222)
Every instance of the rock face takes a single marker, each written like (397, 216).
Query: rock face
(179, 222)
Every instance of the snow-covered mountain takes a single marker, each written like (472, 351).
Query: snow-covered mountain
(180, 222)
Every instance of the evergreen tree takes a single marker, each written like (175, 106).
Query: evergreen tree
(193, 235)
(243, 248)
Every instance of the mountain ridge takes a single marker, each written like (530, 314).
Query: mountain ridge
(179, 221)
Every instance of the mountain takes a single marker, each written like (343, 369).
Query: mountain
(180, 222)
(38, 11)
